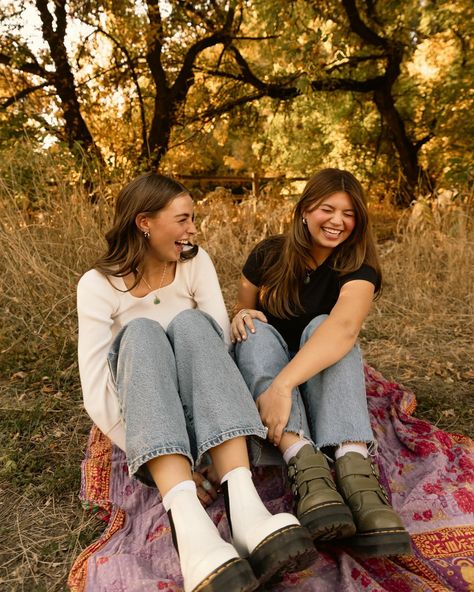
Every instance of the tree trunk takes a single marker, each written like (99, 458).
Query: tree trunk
(159, 134)
(75, 128)
(414, 176)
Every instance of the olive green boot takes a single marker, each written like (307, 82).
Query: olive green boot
(379, 528)
(319, 506)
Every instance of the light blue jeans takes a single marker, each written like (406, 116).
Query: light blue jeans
(179, 390)
(328, 409)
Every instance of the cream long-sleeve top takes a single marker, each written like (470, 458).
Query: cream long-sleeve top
(104, 307)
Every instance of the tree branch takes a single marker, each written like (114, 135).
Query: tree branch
(226, 107)
(279, 90)
(190, 9)
(29, 67)
(353, 60)
(131, 66)
(431, 133)
(393, 50)
(360, 28)
(284, 90)
(224, 35)
(185, 78)
(22, 94)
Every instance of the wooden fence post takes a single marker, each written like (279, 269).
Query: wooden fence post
(255, 184)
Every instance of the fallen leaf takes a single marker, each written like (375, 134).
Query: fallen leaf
(19, 375)
(48, 389)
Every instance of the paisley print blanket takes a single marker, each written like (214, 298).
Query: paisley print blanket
(428, 472)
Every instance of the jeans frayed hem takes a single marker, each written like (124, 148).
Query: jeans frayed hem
(226, 436)
(142, 459)
(302, 435)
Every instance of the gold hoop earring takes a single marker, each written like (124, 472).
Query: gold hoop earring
(304, 221)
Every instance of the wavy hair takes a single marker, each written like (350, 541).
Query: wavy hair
(288, 257)
(147, 194)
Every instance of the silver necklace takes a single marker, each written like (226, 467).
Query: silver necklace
(307, 277)
(156, 299)
(309, 272)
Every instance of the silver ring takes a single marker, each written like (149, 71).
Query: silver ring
(266, 430)
(245, 315)
(206, 485)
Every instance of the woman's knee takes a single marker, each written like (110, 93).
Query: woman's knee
(193, 323)
(187, 317)
(264, 339)
(139, 335)
(312, 326)
(261, 333)
(141, 327)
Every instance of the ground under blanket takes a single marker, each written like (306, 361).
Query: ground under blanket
(428, 472)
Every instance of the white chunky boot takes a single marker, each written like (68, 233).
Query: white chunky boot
(208, 563)
(274, 544)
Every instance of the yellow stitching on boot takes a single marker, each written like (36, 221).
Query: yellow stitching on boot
(212, 575)
(270, 537)
(324, 506)
(372, 532)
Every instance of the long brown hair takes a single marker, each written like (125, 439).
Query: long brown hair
(147, 194)
(290, 255)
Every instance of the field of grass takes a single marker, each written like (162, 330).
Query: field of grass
(420, 333)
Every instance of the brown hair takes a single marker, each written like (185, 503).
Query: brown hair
(289, 257)
(147, 194)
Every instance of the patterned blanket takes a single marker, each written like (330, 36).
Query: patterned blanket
(429, 473)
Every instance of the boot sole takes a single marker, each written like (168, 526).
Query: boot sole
(235, 575)
(329, 522)
(287, 550)
(381, 543)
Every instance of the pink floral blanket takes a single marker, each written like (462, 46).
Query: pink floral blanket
(429, 473)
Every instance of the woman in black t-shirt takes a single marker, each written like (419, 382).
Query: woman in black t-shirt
(301, 303)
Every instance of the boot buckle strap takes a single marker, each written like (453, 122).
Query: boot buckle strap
(303, 464)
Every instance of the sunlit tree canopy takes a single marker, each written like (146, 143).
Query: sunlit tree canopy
(383, 88)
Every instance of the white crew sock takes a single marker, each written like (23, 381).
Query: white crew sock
(250, 521)
(293, 450)
(182, 486)
(342, 449)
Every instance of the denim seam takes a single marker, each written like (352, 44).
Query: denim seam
(299, 402)
(229, 435)
(136, 463)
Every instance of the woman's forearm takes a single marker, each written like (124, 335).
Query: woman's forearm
(330, 342)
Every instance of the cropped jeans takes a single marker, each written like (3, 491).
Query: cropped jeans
(179, 390)
(328, 409)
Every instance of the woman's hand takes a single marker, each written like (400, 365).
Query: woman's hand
(243, 321)
(207, 484)
(274, 406)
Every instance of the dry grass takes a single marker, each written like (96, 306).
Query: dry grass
(42, 540)
(420, 333)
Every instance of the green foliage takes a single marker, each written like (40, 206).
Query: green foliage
(217, 125)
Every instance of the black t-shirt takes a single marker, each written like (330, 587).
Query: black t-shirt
(318, 296)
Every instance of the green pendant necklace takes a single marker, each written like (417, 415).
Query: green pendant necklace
(157, 300)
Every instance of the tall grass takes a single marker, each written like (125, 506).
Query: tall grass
(420, 333)
(50, 233)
